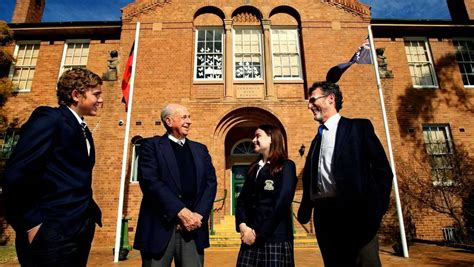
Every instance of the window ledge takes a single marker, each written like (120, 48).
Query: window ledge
(248, 81)
(289, 81)
(425, 87)
(197, 82)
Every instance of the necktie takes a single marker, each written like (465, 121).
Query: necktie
(84, 127)
(315, 161)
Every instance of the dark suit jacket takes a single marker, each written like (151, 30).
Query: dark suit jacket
(362, 173)
(49, 174)
(264, 203)
(160, 183)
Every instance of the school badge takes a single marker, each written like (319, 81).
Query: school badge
(269, 185)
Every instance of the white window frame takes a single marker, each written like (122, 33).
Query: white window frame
(15, 66)
(134, 164)
(430, 61)
(66, 45)
(196, 78)
(471, 54)
(247, 140)
(447, 144)
(298, 52)
(262, 53)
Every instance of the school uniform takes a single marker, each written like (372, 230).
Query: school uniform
(264, 204)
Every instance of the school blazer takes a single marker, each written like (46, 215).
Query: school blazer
(264, 203)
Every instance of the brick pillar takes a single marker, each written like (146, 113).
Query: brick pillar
(461, 11)
(229, 77)
(28, 11)
(269, 92)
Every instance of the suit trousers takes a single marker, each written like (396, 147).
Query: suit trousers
(181, 248)
(342, 235)
(50, 247)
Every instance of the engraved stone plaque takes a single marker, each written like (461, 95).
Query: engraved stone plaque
(249, 91)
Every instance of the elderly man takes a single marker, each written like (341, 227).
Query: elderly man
(346, 180)
(178, 182)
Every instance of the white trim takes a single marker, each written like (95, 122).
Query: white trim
(465, 40)
(238, 143)
(66, 45)
(300, 71)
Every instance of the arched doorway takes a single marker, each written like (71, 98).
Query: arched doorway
(237, 128)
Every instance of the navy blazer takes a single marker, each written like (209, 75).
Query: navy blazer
(362, 173)
(264, 203)
(48, 177)
(160, 183)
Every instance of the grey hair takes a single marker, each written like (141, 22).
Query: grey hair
(168, 110)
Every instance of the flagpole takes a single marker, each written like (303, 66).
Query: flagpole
(389, 144)
(125, 148)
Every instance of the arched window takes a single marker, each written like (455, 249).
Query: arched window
(244, 147)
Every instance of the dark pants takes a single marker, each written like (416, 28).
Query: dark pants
(343, 234)
(181, 248)
(50, 247)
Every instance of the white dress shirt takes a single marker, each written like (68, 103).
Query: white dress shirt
(326, 182)
(176, 140)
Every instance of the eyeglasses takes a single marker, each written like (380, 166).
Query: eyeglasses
(313, 99)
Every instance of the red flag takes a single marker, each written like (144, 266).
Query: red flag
(127, 74)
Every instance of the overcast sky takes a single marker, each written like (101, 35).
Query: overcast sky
(106, 10)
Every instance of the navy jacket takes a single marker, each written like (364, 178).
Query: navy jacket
(160, 183)
(362, 173)
(264, 203)
(49, 174)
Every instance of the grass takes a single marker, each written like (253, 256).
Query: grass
(7, 254)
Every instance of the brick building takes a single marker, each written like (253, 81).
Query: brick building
(236, 65)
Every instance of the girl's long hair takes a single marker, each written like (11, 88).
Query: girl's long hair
(277, 153)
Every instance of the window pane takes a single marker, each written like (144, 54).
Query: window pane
(247, 54)
(209, 54)
(419, 63)
(24, 67)
(465, 59)
(285, 53)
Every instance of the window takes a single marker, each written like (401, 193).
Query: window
(420, 63)
(22, 73)
(244, 148)
(286, 54)
(209, 54)
(465, 59)
(439, 147)
(75, 55)
(134, 164)
(248, 54)
(8, 140)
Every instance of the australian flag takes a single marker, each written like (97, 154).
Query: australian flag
(361, 56)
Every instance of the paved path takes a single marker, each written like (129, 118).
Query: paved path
(420, 255)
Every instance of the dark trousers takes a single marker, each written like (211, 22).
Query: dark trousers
(50, 247)
(342, 233)
(181, 248)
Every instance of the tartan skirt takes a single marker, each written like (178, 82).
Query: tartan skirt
(267, 255)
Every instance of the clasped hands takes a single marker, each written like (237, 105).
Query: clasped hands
(189, 220)
(247, 234)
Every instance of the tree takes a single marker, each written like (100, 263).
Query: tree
(6, 59)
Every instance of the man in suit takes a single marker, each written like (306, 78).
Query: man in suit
(346, 180)
(178, 182)
(47, 180)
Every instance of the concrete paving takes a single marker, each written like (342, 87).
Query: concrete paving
(420, 255)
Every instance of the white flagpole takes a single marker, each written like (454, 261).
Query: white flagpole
(389, 145)
(125, 147)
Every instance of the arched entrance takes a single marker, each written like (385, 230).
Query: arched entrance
(237, 128)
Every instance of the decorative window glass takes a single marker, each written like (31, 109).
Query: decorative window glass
(134, 164)
(248, 54)
(465, 59)
(76, 53)
(244, 148)
(439, 147)
(8, 140)
(286, 54)
(22, 73)
(420, 63)
(209, 54)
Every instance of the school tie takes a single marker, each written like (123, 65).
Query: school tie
(84, 127)
(315, 162)
(87, 136)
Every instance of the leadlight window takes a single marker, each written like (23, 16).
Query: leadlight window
(286, 54)
(248, 54)
(209, 63)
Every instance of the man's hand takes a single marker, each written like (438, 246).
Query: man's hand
(189, 220)
(32, 233)
(247, 234)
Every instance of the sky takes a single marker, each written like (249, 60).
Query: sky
(107, 10)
